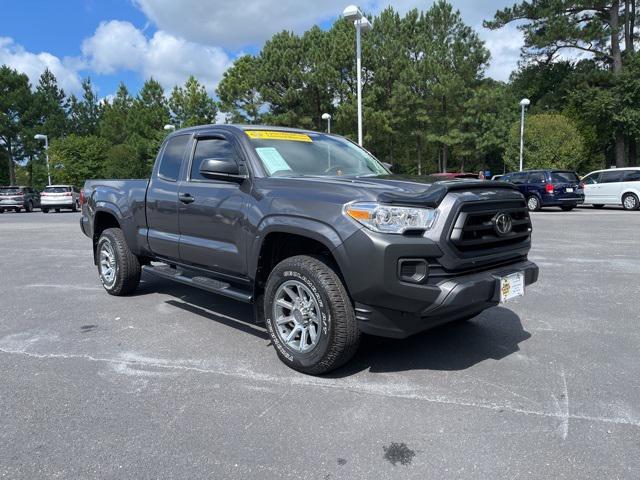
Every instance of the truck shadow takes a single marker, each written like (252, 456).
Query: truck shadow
(494, 334)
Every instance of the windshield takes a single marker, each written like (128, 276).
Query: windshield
(289, 154)
(57, 189)
(9, 190)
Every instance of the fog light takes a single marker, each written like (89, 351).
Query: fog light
(413, 270)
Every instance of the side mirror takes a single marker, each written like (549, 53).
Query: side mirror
(389, 167)
(220, 170)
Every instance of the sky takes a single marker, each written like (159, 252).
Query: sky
(131, 40)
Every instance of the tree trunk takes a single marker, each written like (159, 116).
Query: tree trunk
(633, 151)
(629, 25)
(616, 67)
(445, 158)
(12, 171)
(419, 145)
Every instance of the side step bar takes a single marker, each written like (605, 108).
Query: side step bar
(195, 280)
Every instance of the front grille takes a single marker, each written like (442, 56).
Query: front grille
(475, 233)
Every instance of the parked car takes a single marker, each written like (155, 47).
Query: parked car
(17, 198)
(315, 232)
(619, 186)
(57, 197)
(497, 177)
(548, 188)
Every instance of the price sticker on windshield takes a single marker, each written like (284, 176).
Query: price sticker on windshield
(277, 135)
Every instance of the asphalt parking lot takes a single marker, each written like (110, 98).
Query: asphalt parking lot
(177, 383)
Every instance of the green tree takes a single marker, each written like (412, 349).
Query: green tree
(238, 91)
(550, 26)
(114, 125)
(76, 158)
(191, 105)
(15, 106)
(550, 141)
(84, 113)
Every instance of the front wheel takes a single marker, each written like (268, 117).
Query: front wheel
(630, 202)
(309, 315)
(44, 210)
(533, 204)
(118, 267)
(29, 207)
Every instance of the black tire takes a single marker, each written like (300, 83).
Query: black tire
(126, 265)
(57, 210)
(567, 208)
(75, 207)
(339, 336)
(17, 210)
(630, 201)
(533, 204)
(29, 207)
(44, 210)
(598, 205)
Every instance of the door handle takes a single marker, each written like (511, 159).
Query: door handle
(186, 198)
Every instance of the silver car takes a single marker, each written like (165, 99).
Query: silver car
(56, 197)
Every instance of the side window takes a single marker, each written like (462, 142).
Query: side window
(591, 179)
(632, 176)
(537, 177)
(505, 178)
(611, 176)
(172, 158)
(519, 178)
(217, 148)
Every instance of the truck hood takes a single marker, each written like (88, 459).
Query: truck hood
(400, 189)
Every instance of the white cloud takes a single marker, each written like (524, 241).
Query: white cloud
(118, 45)
(33, 64)
(504, 45)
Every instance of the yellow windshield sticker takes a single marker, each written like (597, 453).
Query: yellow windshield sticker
(276, 135)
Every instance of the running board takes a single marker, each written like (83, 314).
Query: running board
(195, 280)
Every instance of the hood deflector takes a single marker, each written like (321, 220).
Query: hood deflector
(436, 193)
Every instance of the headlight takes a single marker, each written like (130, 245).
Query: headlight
(390, 219)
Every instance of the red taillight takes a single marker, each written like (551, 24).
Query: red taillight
(81, 199)
(549, 188)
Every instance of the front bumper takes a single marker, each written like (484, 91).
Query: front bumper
(459, 297)
(456, 287)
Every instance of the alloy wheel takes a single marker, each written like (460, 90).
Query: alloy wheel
(297, 316)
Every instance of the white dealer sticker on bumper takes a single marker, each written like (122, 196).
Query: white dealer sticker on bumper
(511, 286)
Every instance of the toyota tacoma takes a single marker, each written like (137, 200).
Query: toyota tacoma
(320, 236)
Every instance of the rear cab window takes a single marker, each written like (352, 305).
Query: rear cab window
(172, 156)
(537, 177)
(518, 178)
(10, 191)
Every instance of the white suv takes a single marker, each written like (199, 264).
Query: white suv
(55, 197)
(616, 186)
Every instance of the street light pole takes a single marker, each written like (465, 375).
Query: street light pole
(523, 104)
(353, 13)
(46, 153)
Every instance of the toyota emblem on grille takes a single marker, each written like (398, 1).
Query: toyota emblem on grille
(502, 223)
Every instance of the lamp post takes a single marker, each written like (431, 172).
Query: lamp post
(40, 136)
(353, 13)
(524, 103)
(169, 128)
(327, 117)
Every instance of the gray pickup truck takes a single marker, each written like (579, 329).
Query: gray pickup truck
(314, 231)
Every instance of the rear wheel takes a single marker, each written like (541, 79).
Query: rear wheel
(533, 204)
(118, 267)
(57, 210)
(567, 208)
(17, 210)
(29, 207)
(598, 205)
(630, 202)
(75, 207)
(44, 210)
(309, 315)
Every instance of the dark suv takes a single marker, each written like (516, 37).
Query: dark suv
(548, 188)
(17, 198)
